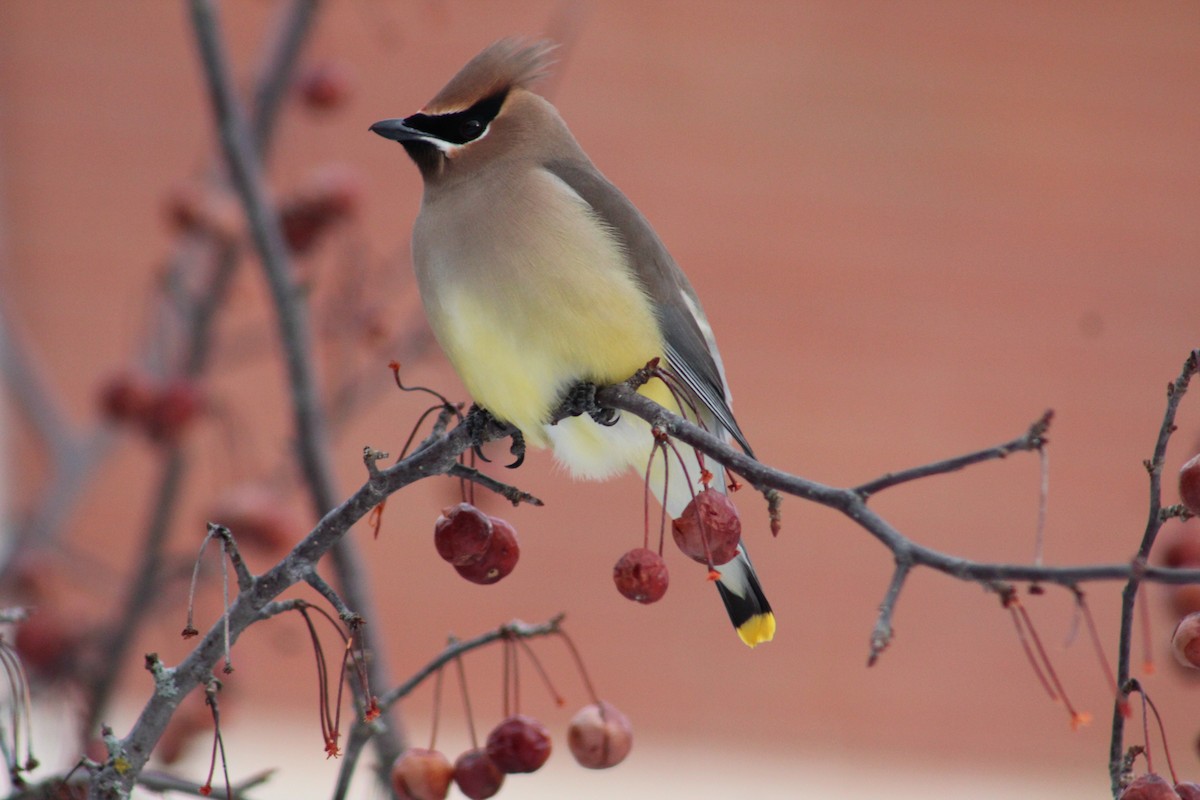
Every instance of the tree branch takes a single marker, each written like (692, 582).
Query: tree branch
(1154, 521)
(311, 434)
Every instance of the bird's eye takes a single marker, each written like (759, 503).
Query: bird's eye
(471, 128)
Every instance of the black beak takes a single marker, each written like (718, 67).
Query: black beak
(396, 130)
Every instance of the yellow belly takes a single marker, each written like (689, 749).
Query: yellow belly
(517, 360)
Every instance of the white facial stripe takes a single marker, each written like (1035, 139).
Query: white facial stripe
(450, 149)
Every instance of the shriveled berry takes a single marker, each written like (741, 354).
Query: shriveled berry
(477, 775)
(709, 528)
(641, 575)
(600, 736)
(519, 744)
(1189, 485)
(1149, 787)
(498, 560)
(1185, 641)
(462, 534)
(1188, 790)
(422, 774)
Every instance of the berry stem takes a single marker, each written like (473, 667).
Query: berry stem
(437, 709)
(541, 670)
(466, 696)
(587, 681)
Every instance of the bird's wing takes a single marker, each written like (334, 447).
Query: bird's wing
(691, 350)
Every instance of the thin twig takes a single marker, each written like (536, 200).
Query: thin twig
(881, 634)
(510, 493)
(1175, 392)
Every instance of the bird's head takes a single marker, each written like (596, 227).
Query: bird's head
(483, 115)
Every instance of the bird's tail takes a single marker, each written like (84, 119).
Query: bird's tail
(738, 585)
(744, 600)
(592, 451)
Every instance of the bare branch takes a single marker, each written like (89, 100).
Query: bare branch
(1033, 439)
(510, 493)
(881, 636)
(1154, 521)
(311, 434)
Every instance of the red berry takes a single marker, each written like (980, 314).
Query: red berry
(641, 575)
(422, 774)
(519, 744)
(326, 85)
(1149, 787)
(477, 775)
(1188, 790)
(47, 643)
(1189, 485)
(1179, 545)
(709, 528)
(462, 534)
(1185, 599)
(600, 736)
(1185, 641)
(498, 560)
(126, 396)
(328, 196)
(173, 410)
(193, 207)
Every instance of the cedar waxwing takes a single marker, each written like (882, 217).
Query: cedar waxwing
(538, 275)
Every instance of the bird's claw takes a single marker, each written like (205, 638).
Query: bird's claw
(581, 399)
(478, 421)
(517, 449)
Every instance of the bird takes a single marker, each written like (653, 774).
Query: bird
(538, 276)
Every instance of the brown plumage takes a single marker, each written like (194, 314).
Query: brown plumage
(507, 64)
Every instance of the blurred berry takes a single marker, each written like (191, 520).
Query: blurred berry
(1189, 485)
(1149, 787)
(422, 774)
(1185, 641)
(259, 518)
(477, 775)
(126, 396)
(326, 85)
(519, 744)
(174, 408)
(600, 736)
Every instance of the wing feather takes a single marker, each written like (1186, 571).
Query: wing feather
(691, 349)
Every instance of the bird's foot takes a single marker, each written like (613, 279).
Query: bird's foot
(478, 421)
(581, 399)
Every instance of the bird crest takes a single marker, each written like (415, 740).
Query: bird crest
(504, 65)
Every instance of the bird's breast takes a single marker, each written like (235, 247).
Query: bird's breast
(528, 292)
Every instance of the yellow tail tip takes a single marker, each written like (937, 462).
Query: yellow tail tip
(758, 629)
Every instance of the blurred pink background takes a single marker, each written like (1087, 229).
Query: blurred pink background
(914, 228)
